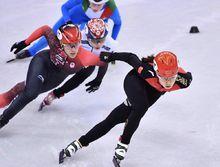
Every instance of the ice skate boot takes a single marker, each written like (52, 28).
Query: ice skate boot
(47, 100)
(69, 150)
(120, 152)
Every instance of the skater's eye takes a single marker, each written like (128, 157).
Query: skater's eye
(72, 45)
(96, 5)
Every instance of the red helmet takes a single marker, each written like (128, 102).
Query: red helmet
(166, 64)
(96, 29)
(69, 33)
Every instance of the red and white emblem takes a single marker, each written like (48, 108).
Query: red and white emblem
(72, 65)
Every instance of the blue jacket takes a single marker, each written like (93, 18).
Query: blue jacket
(74, 10)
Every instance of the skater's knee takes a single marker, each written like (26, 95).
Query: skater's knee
(111, 122)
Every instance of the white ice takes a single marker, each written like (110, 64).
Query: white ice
(181, 130)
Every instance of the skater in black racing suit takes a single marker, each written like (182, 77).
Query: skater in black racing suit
(49, 68)
(144, 85)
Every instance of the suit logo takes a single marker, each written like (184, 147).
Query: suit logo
(72, 65)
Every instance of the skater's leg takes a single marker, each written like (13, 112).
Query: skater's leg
(37, 82)
(118, 115)
(7, 97)
(33, 86)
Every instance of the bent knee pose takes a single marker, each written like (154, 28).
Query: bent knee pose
(144, 85)
(50, 67)
(94, 39)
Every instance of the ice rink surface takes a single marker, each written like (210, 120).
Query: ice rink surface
(181, 130)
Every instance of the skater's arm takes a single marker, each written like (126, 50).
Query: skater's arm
(101, 72)
(48, 33)
(89, 59)
(68, 6)
(127, 57)
(117, 23)
(42, 31)
(95, 83)
(144, 70)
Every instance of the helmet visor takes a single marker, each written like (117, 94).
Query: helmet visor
(98, 2)
(72, 45)
(97, 41)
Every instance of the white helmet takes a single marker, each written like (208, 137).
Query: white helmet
(98, 2)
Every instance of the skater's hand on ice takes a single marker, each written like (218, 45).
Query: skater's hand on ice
(93, 85)
(18, 46)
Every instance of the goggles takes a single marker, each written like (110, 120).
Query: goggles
(72, 45)
(97, 41)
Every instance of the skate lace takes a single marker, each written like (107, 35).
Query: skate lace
(70, 150)
(120, 151)
(73, 147)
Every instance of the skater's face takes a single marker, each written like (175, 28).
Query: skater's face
(96, 7)
(71, 49)
(96, 43)
(167, 82)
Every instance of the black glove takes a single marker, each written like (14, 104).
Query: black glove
(184, 79)
(106, 56)
(93, 85)
(18, 46)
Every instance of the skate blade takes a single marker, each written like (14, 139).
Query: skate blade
(116, 162)
(42, 105)
(11, 60)
(62, 156)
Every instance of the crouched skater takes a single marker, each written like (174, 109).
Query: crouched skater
(149, 79)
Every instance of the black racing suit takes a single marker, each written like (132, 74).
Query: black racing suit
(42, 76)
(140, 96)
(79, 78)
(47, 70)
